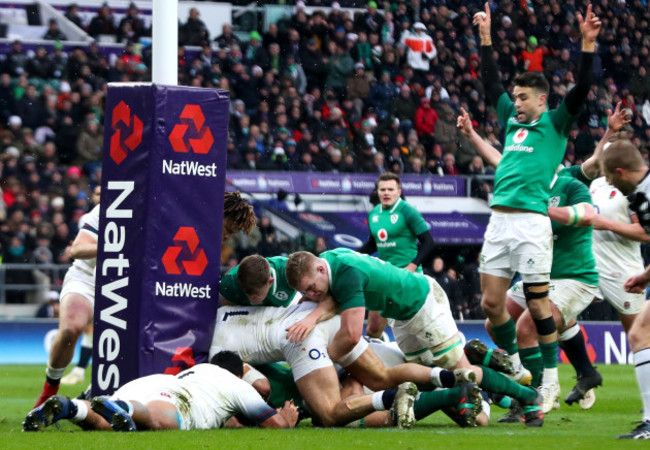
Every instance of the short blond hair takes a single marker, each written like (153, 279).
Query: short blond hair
(622, 154)
(299, 265)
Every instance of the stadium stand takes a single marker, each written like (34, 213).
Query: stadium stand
(327, 87)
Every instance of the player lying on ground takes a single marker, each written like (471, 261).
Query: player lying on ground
(205, 396)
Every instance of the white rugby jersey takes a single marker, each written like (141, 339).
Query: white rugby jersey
(614, 253)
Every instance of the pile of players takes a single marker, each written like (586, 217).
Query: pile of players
(569, 243)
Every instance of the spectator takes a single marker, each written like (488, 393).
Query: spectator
(420, 49)
(49, 309)
(53, 32)
(103, 23)
(131, 27)
(450, 164)
(72, 14)
(425, 121)
(194, 31)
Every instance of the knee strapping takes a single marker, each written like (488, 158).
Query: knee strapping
(448, 358)
(545, 326)
(535, 291)
(425, 358)
(569, 332)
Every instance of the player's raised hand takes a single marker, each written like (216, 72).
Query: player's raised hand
(464, 123)
(589, 25)
(618, 119)
(483, 19)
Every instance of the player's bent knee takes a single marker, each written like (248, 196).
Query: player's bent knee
(448, 356)
(545, 326)
(424, 358)
(639, 336)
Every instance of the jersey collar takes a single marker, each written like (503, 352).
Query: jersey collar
(399, 200)
(274, 288)
(329, 272)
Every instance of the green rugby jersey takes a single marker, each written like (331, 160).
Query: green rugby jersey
(362, 280)
(531, 154)
(572, 255)
(395, 232)
(280, 293)
(575, 172)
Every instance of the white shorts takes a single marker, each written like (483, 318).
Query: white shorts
(258, 335)
(611, 289)
(571, 297)
(431, 326)
(78, 282)
(148, 389)
(517, 242)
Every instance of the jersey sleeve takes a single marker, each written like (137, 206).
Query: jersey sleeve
(505, 108)
(577, 173)
(578, 192)
(89, 223)
(347, 287)
(248, 402)
(562, 119)
(415, 221)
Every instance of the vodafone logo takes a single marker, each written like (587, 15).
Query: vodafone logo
(382, 235)
(190, 133)
(127, 132)
(520, 136)
(185, 255)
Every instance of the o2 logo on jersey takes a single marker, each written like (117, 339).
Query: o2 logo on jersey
(520, 136)
(382, 235)
(394, 218)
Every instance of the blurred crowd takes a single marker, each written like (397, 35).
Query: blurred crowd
(332, 90)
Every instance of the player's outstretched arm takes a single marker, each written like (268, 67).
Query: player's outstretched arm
(490, 154)
(589, 27)
(615, 121)
(633, 231)
(579, 215)
(493, 87)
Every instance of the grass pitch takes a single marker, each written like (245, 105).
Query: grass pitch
(615, 412)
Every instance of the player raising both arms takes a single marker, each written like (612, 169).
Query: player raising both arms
(519, 235)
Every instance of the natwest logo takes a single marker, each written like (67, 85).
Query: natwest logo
(185, 254)
(127, 132)
(202, 139)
